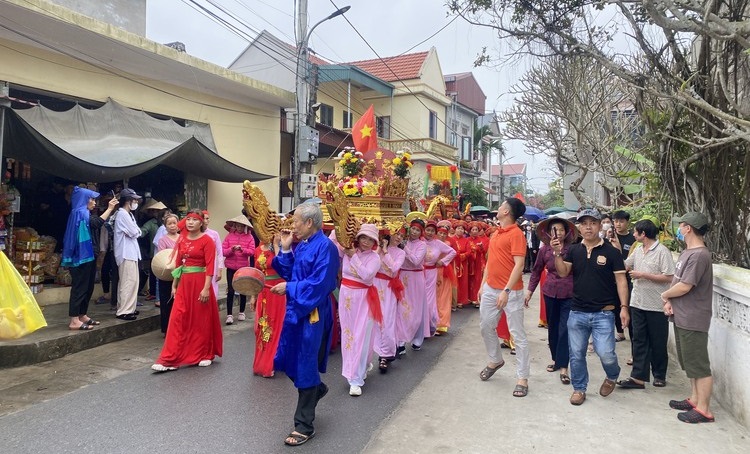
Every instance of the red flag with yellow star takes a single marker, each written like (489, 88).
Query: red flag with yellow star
(364, 132)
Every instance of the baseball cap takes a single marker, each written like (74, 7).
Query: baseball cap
(589, 213)
(129, 194)
(694, 219)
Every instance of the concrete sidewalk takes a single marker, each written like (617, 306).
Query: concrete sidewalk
(454, 411)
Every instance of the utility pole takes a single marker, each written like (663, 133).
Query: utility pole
(4, 102)
(305, 134)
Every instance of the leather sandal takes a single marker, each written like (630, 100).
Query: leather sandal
(488, 371)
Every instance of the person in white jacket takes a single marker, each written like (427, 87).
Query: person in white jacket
(127, 254)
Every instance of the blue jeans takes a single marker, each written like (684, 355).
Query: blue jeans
(600, 325)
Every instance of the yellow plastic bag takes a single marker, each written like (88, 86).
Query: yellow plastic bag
(19, 312)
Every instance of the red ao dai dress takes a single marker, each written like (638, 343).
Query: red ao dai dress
(461, 263)
(194, 332)
(270, 309)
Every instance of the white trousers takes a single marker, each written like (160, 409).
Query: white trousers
(127, 290)
(489, 316)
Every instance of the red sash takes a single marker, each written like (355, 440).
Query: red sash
(394, 283)
(450, 274)
(430, 267)
(373, 300)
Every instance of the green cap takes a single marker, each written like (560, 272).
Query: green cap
(694, 219)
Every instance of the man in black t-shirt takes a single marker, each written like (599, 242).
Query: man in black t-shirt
(598, 286)
(622, 238)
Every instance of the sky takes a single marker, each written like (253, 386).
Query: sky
(391, 27)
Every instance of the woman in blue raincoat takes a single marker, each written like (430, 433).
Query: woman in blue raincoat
(80, 246)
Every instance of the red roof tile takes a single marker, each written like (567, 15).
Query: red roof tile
(389, 69)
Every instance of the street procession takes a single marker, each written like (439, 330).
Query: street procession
(404, 227)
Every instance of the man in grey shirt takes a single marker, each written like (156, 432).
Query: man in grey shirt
(688, 303)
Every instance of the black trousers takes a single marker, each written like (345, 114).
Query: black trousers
(114, 277)
(82, 287)
(307, 398)
(165, 303)
(230, 293)
(650, 334)
(109, 258)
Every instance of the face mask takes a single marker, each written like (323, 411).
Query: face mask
(133, 206)
(606, 226)
(680, 236)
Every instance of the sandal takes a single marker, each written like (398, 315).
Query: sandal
(629, 383)
(488, 371)
(296, 438)
(629, 362)
(552, 368)
(681, 404)
(92, 322)
(659, 382)
(83, 327)
(565, 379)
(383, 366)
(694, 416)
(520, 391)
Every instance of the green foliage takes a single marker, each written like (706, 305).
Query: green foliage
(474, 192)
(553, 198)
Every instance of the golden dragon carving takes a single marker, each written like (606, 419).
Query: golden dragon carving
(266, 222)
(345, 224)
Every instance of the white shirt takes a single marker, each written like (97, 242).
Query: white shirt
(126, 237)
(160, 232)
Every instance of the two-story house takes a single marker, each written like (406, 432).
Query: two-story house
(468, 103)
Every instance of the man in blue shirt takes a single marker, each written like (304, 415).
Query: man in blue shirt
(311, 274)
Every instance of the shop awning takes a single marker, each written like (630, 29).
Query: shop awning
(113, 143)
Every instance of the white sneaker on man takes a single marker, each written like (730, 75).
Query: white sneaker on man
(241, 316)
(355, 390)
(230, 320)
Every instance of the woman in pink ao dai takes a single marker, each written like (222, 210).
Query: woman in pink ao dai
(356, 312)
(388, 282)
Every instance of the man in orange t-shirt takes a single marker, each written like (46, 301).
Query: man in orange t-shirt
(502, 290)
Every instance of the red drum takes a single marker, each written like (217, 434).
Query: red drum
(162, 264)
(248, 281)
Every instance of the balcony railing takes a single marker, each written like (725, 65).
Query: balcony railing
(433, 146)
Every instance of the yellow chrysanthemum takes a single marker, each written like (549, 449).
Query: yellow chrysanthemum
(347, 155)
(407, 156)
(397, 161)
(409, 164)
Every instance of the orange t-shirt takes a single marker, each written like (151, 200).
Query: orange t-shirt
(505, 244)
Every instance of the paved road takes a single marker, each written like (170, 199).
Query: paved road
(123, 407)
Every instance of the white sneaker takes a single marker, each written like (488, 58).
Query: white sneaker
(205, 362)
(161, 368)
(230, 319)
(241, 316)
(355, 390)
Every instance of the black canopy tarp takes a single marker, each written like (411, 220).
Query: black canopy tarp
(112, 143)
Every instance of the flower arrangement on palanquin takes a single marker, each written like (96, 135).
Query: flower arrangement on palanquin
(374, 190)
